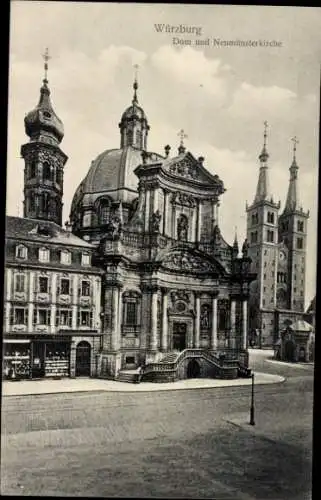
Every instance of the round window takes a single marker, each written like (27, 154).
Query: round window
(180, 306)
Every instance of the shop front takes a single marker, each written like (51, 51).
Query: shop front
(16, 359)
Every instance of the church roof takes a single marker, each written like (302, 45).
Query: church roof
(42, 231)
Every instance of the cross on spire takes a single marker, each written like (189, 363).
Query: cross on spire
(265, 132)
(295, 141)
(135, 86)
(182, 136)
(46, 58)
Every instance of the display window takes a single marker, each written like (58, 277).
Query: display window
(16, 360)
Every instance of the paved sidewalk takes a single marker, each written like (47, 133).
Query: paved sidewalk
(291, 365)
(34, 387)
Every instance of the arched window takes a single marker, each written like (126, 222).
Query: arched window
(46, 172)
(32, 170)
(104, 212)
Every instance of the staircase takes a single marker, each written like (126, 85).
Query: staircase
(130, 376)
(170, 357)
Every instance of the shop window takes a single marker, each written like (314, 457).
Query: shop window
(43, 284)
(64, 317)
(21, 252)
(65, 257)
(85, 288)
(19, 283)
(20, 316)
(65, 286)
(85, 259)
(43, 255)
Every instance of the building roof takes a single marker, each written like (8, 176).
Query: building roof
(42, 231)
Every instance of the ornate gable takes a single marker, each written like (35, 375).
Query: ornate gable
(187, 167)
(182, 260)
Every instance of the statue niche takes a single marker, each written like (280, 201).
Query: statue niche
(182, 228)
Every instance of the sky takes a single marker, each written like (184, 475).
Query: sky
(219, 93)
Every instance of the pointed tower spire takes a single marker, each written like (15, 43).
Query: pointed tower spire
(292, 201)
(235, 244)
(262, 190)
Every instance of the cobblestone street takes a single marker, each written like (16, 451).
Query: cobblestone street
(191, 443)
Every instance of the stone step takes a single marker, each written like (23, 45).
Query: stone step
(128, 376)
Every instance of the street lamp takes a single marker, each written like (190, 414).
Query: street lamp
(252, 422)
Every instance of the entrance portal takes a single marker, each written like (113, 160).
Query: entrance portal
(290, 351)
(179, 336)
(83, 359)
(193, 369)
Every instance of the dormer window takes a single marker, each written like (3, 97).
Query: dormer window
(21, 252)
(85, 259)
(44, 255)
(65, 257)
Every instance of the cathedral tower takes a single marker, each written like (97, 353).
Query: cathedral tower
(262, 236)
(293, 235)
(133, 125)
(44, 160)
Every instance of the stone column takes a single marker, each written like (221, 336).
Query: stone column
(197, 320)
(73, 359)
(214, 323)
(199, 221)
(147, 209)
(115, 319)
(232, 323)
(165, 214)
(153, 339)
(164, 339)
(155, 198)
(244, 323)
(173, 229)
(120, 314)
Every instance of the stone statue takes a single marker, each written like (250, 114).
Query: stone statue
(155, 221)
(245, 248)
(205, 317)
(182, 227)
(114, 227)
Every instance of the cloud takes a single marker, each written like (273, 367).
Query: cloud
(191, 67)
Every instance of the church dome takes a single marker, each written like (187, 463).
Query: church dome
(113, 169)
(42, 122)
(134, 111)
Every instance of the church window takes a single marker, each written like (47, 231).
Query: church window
(131, 308)
(270, 236)
(104, 212)
(43, 255)
(139, 138)
(46, 171)
(21, 252)
(130, 137)
(45, 202)
(131, 313)
(299, 243)
(270, 217)
(32, 170)
(65, 257)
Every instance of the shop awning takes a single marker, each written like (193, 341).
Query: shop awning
(16, 341)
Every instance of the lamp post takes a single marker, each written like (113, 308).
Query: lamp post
(252, 421)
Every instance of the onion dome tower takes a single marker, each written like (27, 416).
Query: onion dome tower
(44, 160)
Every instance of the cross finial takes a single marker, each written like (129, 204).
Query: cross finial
(135, 86)
(46, 58)
(182, 136)
(265, 123)
(295, 141)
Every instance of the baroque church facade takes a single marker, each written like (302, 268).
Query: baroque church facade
(277, 246)
(152, 280)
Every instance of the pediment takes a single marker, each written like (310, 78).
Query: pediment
(187, 167)
(185, 261)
